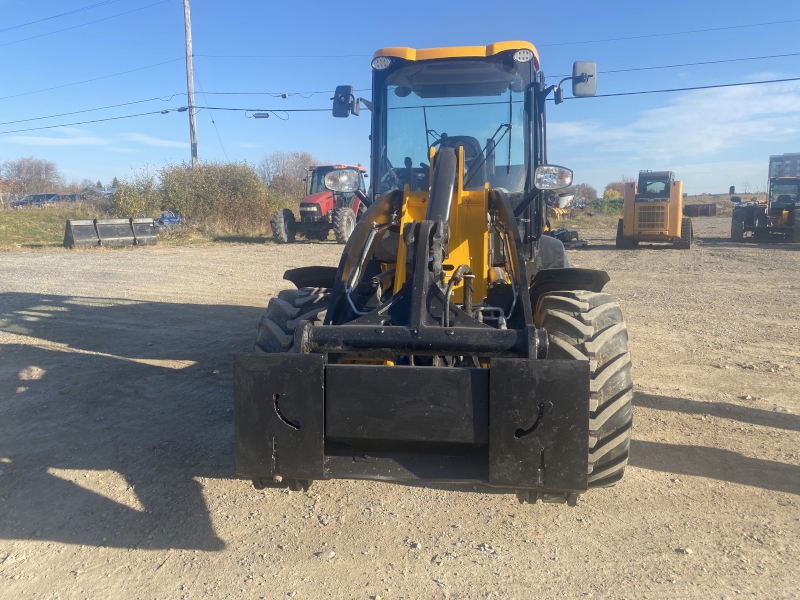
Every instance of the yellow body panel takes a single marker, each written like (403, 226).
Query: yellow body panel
(653, 221)
(458, 51)
(469, 233)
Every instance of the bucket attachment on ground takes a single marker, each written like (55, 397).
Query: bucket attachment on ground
(110, 232)
(699, 210)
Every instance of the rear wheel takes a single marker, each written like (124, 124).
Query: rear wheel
(282, 225)
(687, 234)
(589, 326)
(344, 222)
(284, 313)
(737, 230)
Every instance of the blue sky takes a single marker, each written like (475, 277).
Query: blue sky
(710, 138)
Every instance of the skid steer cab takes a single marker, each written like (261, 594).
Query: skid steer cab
(453, 344)
(327, 205)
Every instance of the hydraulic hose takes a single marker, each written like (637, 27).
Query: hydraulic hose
(460, 273)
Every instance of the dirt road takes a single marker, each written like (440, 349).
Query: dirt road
(116, 431)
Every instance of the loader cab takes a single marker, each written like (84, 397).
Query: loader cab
(487, 102)
(783, 194)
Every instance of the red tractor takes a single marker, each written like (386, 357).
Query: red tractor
(323, 208)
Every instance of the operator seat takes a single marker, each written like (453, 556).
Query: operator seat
(473, 157)
(781, 203)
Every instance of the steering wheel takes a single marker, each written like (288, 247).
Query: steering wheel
(389, 180)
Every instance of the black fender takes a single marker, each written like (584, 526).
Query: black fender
(555, 280)
(318, 277)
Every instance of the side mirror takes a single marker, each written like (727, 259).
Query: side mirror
(344, 102)
(736, 198)
(342, 180)
(584, 79)
(552, 177)
(732, 190)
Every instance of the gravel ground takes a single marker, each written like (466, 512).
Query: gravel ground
(116, 429)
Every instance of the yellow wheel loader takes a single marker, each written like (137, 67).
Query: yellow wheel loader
(652, 212)
(453, 344)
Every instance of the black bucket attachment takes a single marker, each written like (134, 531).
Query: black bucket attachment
(110, 232)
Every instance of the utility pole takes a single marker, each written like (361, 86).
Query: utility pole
(190, 81)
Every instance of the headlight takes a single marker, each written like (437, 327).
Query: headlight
(523, 56)
(381, 62)
(342, 180)
(552, 177)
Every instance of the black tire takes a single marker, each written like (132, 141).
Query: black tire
(623, 242)
(687, 234)
(282, 224)
(589, 326)
(284, 313)
(344, 223)
(737, 230)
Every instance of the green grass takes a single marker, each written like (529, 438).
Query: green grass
(39, 228)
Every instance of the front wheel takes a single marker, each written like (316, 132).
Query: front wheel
(344, 222)
(737, 230)
(589, 326)
(282, 225)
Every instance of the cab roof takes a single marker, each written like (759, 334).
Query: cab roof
(338, 166)
(414, 54)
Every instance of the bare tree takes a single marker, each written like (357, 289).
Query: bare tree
(619, 186)
(31, 176)
(745, 186)
(582, 190)
(284, 172)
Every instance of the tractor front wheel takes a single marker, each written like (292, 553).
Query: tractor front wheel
(737, 230)
(344, 222)
(282, 224)
(589, 326)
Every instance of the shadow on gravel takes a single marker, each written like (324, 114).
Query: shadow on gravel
(724, 410)
(715, 463)
(110, 411)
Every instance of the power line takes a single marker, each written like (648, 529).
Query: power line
(84, 24)
(86, 110)
(155, 112)
(305, 95)
(200, 83)
(307, 110)
(654, 35)
(71, 12)
(688, 89)
(58, 87)
(283, 55)
(695, 64)
(619, 39)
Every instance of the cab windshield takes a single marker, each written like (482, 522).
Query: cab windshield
(476, 104)
(784, 194)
